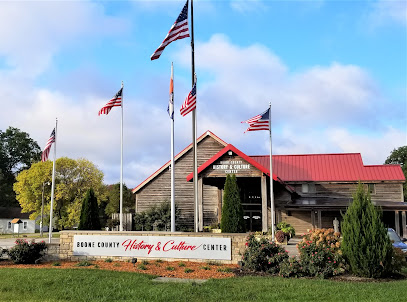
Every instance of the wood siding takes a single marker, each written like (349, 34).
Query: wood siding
(300, 220)
(158, 190)
(387, 191)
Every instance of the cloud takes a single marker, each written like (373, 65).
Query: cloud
(247, 5)
(386, 12)
(38, 34)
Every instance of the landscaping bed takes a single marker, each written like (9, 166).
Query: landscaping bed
(174, 269)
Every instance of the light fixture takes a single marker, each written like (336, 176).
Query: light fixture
(230, 153)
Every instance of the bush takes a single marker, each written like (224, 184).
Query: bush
(320, 253)
(399, 260)
(84, 263)
(158, 216)
(280, 236)
(90, 212)
(263, 255)
(291, 267)
(26, 253)
(366, 246)
(3, 252)
(288, 230)
(232, 211)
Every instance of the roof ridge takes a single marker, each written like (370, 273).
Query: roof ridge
(312, 154)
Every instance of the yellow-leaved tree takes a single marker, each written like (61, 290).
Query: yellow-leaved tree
(72, 180)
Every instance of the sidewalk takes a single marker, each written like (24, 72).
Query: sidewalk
(291, 247)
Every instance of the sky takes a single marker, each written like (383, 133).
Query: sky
(335, 73)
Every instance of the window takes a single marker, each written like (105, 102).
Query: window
(371, 188)
(24, 225)
(9, 225)
(308, 188)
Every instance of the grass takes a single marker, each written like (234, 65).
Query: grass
(30, 235)
(99, 285)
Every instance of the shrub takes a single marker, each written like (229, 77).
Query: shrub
(56, 263)
(280, 236)
(170, 268)
(3, 252)
(142, 267)
(232, 211)
(291, 267)
(109, 260)
(263, 255)
(320, 253)
(399, 260)
(286, 228)
(188, 270)
(206, 268)
(90, 212)
(158, 216)
(366, 246)
(145, 262)
(84, 263)
(26, 253)
(224, 270)
(181, 264)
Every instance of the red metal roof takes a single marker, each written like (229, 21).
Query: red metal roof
(329, 167)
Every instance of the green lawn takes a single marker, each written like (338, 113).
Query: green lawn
(97, 285)
(30, 235)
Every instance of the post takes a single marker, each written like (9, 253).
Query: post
(194, 144)
(51, 211)
(271, 181)
(121, 166)
(171, 111)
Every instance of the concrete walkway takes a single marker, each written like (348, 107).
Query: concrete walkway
(291, 247)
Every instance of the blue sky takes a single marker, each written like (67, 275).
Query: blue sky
(335, 72)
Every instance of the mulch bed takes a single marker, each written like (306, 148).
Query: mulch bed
(174, 269)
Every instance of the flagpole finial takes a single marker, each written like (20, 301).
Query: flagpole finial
(122, 84)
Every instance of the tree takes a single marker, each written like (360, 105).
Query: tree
(232, 210)
(90, 212)
(399, 157)
(365, 245)
(73, 178)
(17, 152)
(113, 201)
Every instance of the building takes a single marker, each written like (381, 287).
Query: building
(9, 216)
(310, 191)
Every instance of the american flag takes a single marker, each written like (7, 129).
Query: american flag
(190, 102)
(45, 152)
(116, 101)
(259, 122)
(170, 109)
(179, 30)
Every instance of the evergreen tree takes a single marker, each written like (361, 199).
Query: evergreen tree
(232, 210)
(365, 245)
(90, 212)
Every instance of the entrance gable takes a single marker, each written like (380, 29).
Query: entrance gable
(231, 164)
(236, 161)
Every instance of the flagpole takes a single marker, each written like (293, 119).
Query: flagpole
(51, 211)
(121, 166)
(172, 154)
(271, 181)
(194, 144)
